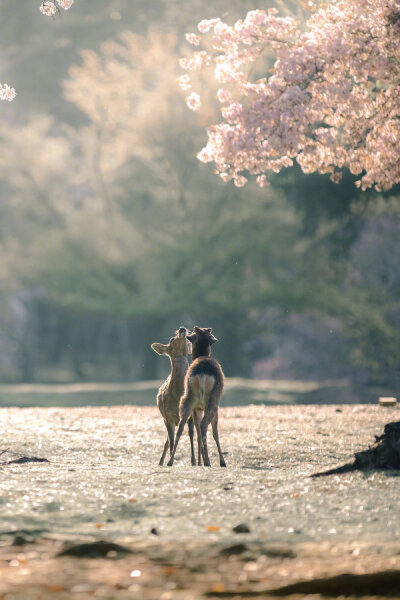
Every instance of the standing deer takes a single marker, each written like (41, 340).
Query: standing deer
(171, 390)
(204, 383)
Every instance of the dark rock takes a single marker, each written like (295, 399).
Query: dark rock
(235, 549)
(154, 531)
(20, 540)
(241, 528)
(278, 551)
(98, 549)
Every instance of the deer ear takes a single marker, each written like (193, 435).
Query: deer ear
(159, 348)
(191, 337)
(196, 329)
(213, 339)
(209, 329)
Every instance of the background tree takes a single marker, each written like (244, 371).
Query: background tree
(329, 102)
(113, 234)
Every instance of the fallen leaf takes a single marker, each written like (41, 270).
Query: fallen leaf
(218, 588)
(99, 525)
(169, 570)
(55, 588)
(212, 528)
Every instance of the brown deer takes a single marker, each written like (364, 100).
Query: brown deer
(204, 384)
(171, 390)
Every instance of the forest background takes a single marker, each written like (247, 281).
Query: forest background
(112, 233)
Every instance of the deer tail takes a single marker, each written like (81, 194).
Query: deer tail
(202, 384)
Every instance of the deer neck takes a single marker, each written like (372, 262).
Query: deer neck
(179, 366)
(201, 349)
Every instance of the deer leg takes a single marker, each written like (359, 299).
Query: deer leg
(171, 437)
(191, 436)
(181, 426)
(164, 452)
(206, 420)
(185, 410)
(197, 419)
(171, 434)
(214, 424)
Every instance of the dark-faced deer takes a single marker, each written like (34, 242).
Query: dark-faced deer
(204, 383)
(171, 390)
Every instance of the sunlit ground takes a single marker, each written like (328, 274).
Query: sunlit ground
(103, 480)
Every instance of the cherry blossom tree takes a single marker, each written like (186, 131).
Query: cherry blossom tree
(330, 101)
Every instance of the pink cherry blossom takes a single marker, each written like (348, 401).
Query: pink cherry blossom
(193, 101)
(203, 156)
(7, 92)
(193, 39)
(330, 101)
(207, 24)
(184, 82)
(48, 8)
(240, 180)
(224, 95)
(65, 4)
(262, 181)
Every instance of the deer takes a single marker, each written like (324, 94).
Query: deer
(204, 384)
(171, 390)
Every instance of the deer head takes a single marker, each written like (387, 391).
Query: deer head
(202, 334)
(177, 345)
(201, 339)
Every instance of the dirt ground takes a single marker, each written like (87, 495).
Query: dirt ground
(174, 528)
(197, 571)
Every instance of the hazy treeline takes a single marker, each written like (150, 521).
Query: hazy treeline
(112, 234)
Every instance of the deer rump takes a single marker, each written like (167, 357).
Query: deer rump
(203, 377)
(201, 386)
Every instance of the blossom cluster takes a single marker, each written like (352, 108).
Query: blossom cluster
(50, 8)
(7, 92)
(331, 100)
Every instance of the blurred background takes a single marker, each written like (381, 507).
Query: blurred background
(113, 234)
